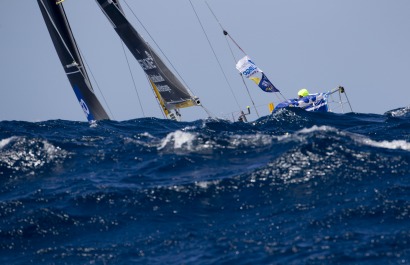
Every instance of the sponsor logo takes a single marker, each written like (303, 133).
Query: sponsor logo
(85, 107)
(147, 63)
(250, 70)
(156, 78)
(164, 88)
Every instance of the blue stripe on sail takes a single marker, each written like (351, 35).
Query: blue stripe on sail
(86, 109)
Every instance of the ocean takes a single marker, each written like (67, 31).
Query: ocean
(290, 188)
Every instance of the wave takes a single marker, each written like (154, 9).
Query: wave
(400, 112)
(25, 155)
(293, 187)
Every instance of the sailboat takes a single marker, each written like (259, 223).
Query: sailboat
(170, 92)
(318, 102)
(314, 102)
(70, 57)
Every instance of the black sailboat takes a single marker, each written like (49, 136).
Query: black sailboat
(68, 52)
(171, 93)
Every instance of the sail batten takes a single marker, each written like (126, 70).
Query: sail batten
(173, 93)
(69, 54)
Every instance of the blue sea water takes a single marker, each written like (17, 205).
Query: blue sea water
(292, 188)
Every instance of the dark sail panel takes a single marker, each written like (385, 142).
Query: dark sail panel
(172, 91)
(67, 50)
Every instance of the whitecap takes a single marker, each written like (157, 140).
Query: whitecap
(316, 128)
(206, 184)
(28, 154)
(395, 144)
(399, 112)
(6, 141)
(254, 140)
(179, 140)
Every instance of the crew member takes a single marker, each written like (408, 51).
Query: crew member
(303, 93)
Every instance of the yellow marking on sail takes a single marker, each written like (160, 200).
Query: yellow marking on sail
(185, 104)
(271, 107)
(160, 100)
(59, 2)
(255, 79)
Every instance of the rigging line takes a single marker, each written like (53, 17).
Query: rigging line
(156, 44)
(249, 94)
(243, 80)
(152, 52)
(133, 80)
(230, 37)
(278, 96)
(216, 57)
(233, 56)
(281, 95)
(210, 114)
(224, 31)
(348, 101)
(154, 56)
(98, 86)
(341, 102)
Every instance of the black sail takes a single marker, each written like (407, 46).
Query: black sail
(68, 52)
(173, 93)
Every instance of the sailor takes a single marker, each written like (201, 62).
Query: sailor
(242, 117)
(303, 93)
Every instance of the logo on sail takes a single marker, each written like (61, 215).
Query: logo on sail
(147, 63)
(84, 107)
(248, 69)
(156, 78)
(164, 88)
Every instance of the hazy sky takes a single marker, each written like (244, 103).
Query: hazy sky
(318, 44)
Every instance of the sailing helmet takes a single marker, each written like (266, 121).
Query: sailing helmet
(303, 92)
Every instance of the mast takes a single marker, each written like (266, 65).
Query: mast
(69, 54)
(171, 92)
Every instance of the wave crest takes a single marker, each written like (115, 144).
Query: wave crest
(21, 154)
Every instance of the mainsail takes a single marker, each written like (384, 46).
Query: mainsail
(66, 47)
(171, 92)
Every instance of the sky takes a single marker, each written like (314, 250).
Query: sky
(317, 44)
